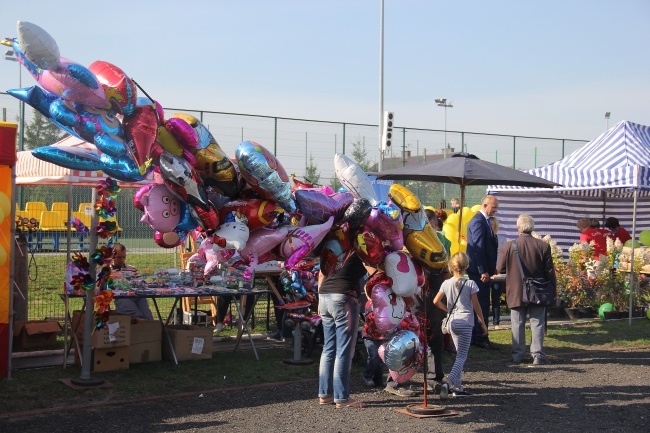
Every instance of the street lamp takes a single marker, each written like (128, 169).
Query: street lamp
(442, 102)
(607, 114)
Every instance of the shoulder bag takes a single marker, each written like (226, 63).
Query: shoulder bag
(535, 291)
(445, 322)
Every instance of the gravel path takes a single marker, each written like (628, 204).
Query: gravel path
(583, 391)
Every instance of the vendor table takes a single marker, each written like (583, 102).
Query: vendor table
(177, 293)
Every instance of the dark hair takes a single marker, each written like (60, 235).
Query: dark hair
(612, 223)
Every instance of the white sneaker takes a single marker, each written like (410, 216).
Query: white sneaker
(219, 327)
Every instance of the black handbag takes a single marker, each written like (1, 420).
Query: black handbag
(536, 292)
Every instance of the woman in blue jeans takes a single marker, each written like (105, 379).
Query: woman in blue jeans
(338, 307)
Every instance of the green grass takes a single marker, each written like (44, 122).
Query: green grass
(35, 389)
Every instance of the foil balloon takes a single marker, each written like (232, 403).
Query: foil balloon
(401, 351)
(38, 46)
(381, 224)
(354, 179)
(140, 130)
(368, 246)
(317, 207)
(302, 240)
(255, 213)
(335, 248)
(168, 142)
(182, 132)
(181, 179)
(370, 328)
(357, 213)
(230, 236)
(388, 309)
(203, 135)
(187, 223)
(121, 169)
(265, 174)
(400, 269)
(419, 237)
(217, 170)
(404, 375)
(378, 277)
(119, 89)
(263, 240)
(170, 239)
(214, 258)
(161, 209)
(69, 81)
(139, 193)
(410, 323)
(208, 220)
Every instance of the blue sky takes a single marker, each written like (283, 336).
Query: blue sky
(538, 68)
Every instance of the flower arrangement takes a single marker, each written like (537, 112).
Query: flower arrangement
(581, 277)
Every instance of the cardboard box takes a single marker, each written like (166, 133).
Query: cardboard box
(116, 333)
(145, 352)
(146, 338)
(109, 359)
(199, 318)
(190, 342)
(35, 334)
(145, 331)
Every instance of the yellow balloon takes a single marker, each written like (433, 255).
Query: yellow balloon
(448, 211)
(404, 198)
(453, 249)
(476, 208)
(3, 256)
(5, 203)
(168, 142)
(217, 170)
(425, 247)
(449, 227)
(467, 215)
(463, 245)
(453, 219)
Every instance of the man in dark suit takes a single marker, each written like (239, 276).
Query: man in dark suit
(482, 251)
(536, 262)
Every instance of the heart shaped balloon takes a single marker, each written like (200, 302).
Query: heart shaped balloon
(388, 309)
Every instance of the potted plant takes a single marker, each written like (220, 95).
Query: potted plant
(580, 281)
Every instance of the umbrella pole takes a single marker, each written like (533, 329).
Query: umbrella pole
(460, 213)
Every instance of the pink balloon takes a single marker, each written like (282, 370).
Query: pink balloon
(170, 239)
(386, 228)
(410, 323)
(182, 132)
(139, 193)
(388, 309)
(317, 207)
(300, 241)
(262, 241)
(140, 129)
(402, 376)
(212, 257)
(161, 209)
(400, 268)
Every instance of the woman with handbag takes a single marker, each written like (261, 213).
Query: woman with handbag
(461, 303)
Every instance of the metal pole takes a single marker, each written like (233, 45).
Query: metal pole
(12, 275)
(514, 151)
(275, 137)
(343, 139)
(381, 85)
(632, 257)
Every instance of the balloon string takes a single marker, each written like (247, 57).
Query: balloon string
(143, 91)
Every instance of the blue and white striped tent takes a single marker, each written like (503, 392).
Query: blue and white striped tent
(598, 180)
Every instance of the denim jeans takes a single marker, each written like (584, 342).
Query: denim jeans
(374, 366)
(340, 316)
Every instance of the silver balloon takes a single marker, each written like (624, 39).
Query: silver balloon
(401, 351)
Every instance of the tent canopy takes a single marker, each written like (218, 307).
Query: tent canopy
(33, 171)
(598, 180)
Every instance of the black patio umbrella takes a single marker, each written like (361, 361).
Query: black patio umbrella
(464, 169)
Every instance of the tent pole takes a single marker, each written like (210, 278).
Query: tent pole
(632, 258)
(460, 213)
(69, 224)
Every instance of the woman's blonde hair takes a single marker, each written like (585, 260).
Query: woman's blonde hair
(459, 263)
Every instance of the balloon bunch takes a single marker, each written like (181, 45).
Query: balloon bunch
(396, 238)
(455, 229)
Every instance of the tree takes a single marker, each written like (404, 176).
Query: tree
(41, 132)
(312, 174)
(360, 155)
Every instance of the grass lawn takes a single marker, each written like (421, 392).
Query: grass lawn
(34, 389)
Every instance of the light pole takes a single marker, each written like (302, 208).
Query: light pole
(442, 102)
(607, 114)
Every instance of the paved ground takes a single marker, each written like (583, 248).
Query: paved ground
(579, 392)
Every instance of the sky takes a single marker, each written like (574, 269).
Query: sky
(518, 67)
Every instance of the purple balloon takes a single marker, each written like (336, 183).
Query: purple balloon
(385, 228)
(318, 207)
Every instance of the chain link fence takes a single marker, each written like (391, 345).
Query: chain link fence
(297, 143)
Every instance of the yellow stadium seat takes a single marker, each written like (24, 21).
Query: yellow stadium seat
(114, 219)
(82, 206)
(85, 219)
(61, 207)
(37, 206)
(51, 222)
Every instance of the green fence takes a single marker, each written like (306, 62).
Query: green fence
(295, 142)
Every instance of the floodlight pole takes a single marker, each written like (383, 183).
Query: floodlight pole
(442, 102)
(381, 85)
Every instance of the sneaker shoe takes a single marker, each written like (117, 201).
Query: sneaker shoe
(369, 382)
(540, 361)
(460, 392)
(444, 391)
(434, 386)
(219, 327)
(401, 392)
